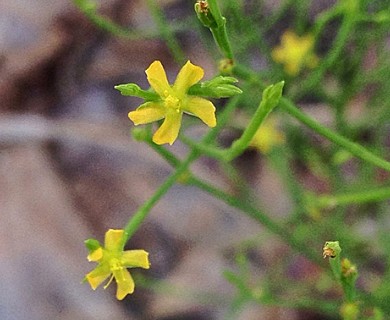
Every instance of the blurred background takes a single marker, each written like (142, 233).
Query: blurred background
(69, 170)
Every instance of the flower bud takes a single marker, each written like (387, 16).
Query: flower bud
(219, 87)
(272, 95)
(204, 15)
(331, 249)
(132, 89)
(349, 311)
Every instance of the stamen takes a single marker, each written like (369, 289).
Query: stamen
(109, 282)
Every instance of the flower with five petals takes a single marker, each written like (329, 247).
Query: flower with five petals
(113, 261)
(295, 52)
(173, 102)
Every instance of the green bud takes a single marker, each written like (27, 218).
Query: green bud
(204, 15)
(219, 87)
(132, 89)
(271, 96)
(225, 66)
(349, 311)
(92, 244)
(348, 278)
(331, 249)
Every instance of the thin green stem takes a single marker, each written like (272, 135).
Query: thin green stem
(270, 99)
(342, 36)
(89, 9)
(260, 217)
(366, 196)
(354, 148)
(219, 30)
(166, 32)
(142, 212)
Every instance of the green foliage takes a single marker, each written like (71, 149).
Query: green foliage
(334, 170)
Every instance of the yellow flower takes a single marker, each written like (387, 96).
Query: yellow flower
(295, 52)
(113, 261)
(267, 136)
(173, 101)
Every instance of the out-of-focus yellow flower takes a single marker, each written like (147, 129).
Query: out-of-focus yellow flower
(113, 261)
(173, 101)
(295, 52)
(267, 136)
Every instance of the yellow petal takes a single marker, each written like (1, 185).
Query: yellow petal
(278, 54)
(98, 275)
(113, 239)
(203, 109)
(169, 130)
(135, 258)
(158, 79)
(95, 255)
(147, 113)
(289, 39)
(125, 283)
(188, 76)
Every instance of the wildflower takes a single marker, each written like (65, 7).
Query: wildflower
(172, 102)
(295, 52)
(267, 136)
(113, 261)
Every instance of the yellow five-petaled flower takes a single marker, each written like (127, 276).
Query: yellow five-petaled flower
(113, 261)
(295, 52)
(173, 101)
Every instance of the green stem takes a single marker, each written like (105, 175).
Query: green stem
(88, 8)
(219, 30)
(342, 36)
(260, 217)
(166, 32)
(136, 220)
(373, 195)
(354, 148)
(142, 212)
(270, 99)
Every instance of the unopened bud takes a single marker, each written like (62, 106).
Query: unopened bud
(132, 89)
(225, 66)
(331, 249)
(349, 311)
(204, 14)
(219, 87)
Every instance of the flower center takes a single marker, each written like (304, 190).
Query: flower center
(115, 264)
(171, 102)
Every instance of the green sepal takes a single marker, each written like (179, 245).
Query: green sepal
(219, 87)
(92, 245)
(132, 89)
